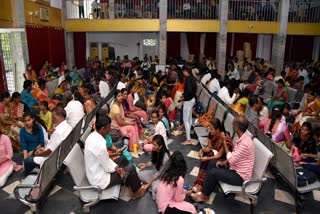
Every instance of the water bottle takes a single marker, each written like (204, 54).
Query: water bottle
(135, 148)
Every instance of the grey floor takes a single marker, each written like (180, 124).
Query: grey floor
(274, 196)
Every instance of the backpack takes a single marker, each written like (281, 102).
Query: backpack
(305, 177)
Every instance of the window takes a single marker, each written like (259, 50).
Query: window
(150, 42)
(8, 64)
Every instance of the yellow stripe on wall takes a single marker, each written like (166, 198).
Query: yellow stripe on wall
(112, 25)
(303, 29)
(253, 27)
(180, 25)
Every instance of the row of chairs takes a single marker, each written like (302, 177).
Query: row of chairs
(34, 189)
(280, 160)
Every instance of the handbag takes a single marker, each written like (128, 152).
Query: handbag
(205, 119)
(305, 177)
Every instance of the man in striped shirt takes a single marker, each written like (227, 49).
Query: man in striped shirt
(236, 168)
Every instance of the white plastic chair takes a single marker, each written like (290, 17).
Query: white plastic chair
(89, 194)
(250, 187)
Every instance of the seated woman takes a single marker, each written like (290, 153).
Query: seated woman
(6, 153)
(41, 93)
(241, 103)
(31, 136)
(213, 151)
(129, 114)
(46, 115)
(8, 125)
(170, 193)
(89, 102)
(159, 129)
(127, 125)
(167, 101)
(160, 159)
(132, 99)
(280, 95)
(311, 110)
(276, 127)
(16, 107)
(303, 139)
(311, 161)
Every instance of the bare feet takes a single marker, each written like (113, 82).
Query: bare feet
(138, 194)
(187, 142)
(197, 188)
(199, 197)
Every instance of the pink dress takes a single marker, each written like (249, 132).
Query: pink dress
(142, 114)
(169, 195)
(129, 130)
(5, 151)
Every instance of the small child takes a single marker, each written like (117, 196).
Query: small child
(164, 119)
(167, 101)
(46, 115)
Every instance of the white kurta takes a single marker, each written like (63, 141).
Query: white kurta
(75, 112)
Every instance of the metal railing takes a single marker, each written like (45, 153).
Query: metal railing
(205, 9)
(304, 11)
(123, 9)
(253, 10)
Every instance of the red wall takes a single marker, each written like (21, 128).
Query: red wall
(173, 44)
(45, 43)
(298, 48)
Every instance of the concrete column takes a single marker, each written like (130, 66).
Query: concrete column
(18, 43)
(163, 5)
(279, 40)
(69, 49)
(222, 38)
(316, 48)
(111, 9)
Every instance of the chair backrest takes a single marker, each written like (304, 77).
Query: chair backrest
(65, 147)
(77, 133)
(206, 99)
(262, 158)
(268, 88)
(299, 96)
(252, 129)
(220, 112)
(76, 166)
(291, 94)
(228, 124)
(285, 165)
(49, 169)
(265, 140)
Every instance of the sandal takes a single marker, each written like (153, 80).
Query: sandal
(196, 188)
(138, 194)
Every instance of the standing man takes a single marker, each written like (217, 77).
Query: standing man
(81, 9)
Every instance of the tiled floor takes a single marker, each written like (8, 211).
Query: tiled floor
(274, 196)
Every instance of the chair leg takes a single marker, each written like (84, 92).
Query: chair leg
(299, 202)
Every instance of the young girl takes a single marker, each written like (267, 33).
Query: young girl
(167, 101)
(170, 192)
(159, 129)
(46, 115)
(31, 136)
(163, 118)
(151, 171)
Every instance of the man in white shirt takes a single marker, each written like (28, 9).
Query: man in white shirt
(224, 95)
(104, 89)
(74, 110)
(61, 132)
(205, 78)
(122, 83)
(233, 73)
(101, 171)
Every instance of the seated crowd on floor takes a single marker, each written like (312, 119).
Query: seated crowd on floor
(147, 106)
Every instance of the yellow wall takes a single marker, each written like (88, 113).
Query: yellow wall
(5, 14)
(54, 15)
(253, 27)
(114, 25)
(303, 29)
(180, 25)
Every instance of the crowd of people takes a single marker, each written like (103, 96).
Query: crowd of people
(147, 105)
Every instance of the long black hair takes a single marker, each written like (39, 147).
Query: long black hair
(35, 127)
(157, 157)
(177, 168)
(277, 112)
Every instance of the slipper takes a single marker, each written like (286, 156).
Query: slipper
(186, 143)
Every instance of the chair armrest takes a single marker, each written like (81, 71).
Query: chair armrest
(96, 188)
(246, 183)
(24, 186)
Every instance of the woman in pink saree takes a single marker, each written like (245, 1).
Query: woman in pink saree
(131, 102)
(128, 127)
